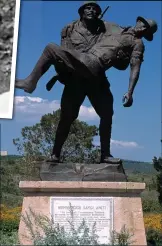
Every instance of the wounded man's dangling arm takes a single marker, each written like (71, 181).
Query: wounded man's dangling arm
(135, 66)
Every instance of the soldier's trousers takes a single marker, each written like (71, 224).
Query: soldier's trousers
(101, 98)
(74, 93)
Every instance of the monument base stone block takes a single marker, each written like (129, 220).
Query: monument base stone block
(111, 205)
(82, 172)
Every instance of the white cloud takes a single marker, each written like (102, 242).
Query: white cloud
(35, 106)
(124, 144)
(119, 143)
(87, 113)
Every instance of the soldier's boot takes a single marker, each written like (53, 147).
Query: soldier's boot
(105, 137)
(106, 157)
(54, 159)
(109, 159)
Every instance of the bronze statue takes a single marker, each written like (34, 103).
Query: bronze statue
(89, 47)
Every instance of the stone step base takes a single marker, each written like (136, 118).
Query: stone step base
(82, 172)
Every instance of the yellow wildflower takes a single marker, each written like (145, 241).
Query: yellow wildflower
(153, 221)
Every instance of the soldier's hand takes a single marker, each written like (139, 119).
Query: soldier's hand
(127, 100)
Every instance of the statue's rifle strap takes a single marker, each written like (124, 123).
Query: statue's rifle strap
(103, 13)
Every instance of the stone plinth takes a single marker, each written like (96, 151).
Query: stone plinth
(125, 197)
(82, 172)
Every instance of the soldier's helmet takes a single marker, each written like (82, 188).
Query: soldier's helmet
(81, 9)
(151, 27)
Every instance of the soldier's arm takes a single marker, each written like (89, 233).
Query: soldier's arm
(135, 64)
(66, 34)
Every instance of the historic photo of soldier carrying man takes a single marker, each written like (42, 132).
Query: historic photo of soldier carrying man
(90, 47)
(9, 15)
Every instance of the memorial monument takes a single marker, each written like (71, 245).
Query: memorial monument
(89, 47)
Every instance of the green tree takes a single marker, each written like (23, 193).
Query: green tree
(38, 140)
(158, 166)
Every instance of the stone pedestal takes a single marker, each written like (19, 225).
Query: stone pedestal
(82, 172)
(121, 202)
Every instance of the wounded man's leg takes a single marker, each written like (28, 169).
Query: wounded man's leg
(52, 55)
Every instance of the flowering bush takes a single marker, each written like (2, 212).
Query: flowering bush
(9, 219)
(153, 225)
(153, 221)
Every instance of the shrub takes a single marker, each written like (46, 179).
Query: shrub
(153, 221)
(150, 205)
(9, 220)
(9, 240)
(46, 233)
(7, 227)
(154, 237)
(122, 238)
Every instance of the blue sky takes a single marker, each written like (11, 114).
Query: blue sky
(136, 130)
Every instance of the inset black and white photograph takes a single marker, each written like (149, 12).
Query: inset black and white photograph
(9, 22)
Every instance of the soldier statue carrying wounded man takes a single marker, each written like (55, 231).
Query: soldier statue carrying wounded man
(89, 47)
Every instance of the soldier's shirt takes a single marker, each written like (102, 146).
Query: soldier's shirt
(100, 50)
(113, 47)
(77, 36)
(82, 39)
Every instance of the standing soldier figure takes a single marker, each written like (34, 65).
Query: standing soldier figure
(89, 47)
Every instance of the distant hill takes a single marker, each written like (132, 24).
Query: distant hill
(138, 167)
(10, 157)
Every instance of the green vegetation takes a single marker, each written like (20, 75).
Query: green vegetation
(56, 235)
(154, 237)
(8, 240)
(158, 167)
(37, 141)
(122, 238)
(76, 235)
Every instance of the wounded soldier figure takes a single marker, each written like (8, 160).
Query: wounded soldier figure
(89, 47)
(123, 46)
